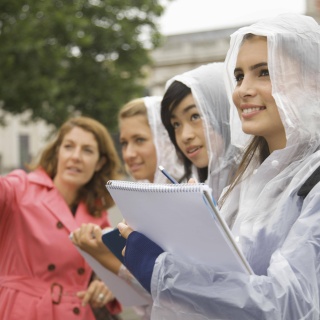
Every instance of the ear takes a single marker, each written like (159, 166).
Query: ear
(102, 161)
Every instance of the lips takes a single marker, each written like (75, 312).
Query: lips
(192, 149)
(74, 169)
(250, 110)
(135, 166)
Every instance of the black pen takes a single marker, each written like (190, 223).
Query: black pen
(174, 181)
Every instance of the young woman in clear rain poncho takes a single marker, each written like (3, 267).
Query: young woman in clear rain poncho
(145, 143)
(274, 78)
(195, 111)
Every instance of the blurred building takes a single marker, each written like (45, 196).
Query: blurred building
(184, 52)
(19, 142)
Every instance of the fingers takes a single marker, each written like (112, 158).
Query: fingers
(96, 232)
(124, 229)
(88, 238)
(192, 181)
(97, 294)
(83, 234)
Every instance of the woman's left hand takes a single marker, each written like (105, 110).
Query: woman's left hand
(97, 294)
(125, 231)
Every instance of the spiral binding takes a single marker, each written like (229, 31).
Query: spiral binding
(153, 187)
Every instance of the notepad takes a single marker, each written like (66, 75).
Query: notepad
(182, 219)
(125, 293)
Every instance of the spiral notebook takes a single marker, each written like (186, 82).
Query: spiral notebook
(126, 293)
(182, 219)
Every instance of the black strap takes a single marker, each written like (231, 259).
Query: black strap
(309, 184)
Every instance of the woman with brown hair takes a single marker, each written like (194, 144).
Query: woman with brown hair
(42, 275)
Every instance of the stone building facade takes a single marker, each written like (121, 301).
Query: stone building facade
(184, 52)
(20, 141)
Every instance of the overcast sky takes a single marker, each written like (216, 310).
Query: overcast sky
(182, 16)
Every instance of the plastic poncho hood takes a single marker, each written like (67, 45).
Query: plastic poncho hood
(277, 230)
(208, 90)
(166, 153)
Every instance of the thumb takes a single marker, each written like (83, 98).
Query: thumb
(80, 294)
(97, 232)
(124, 229)
(192, 181)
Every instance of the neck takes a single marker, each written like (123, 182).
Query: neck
(277, 144)
(68, 193)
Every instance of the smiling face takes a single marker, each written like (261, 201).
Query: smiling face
(78, 159)
(253, 94)
(138, 149)
(189, 132)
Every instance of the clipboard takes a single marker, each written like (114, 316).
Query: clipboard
(182, 219)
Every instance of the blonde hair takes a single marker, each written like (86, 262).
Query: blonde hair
(133, 108)
(94, 193)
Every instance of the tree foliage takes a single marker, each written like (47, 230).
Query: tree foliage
(60, 57)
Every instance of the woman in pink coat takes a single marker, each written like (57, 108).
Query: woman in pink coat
(42, 276)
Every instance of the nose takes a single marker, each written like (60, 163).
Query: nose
(76, 153)
(129, 151)
(246, 88)
(187, 133)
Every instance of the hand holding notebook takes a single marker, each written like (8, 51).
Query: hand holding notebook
(182, 219)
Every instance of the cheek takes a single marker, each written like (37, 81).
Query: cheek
(178, 139)
(236, 101)
(152, 153)
(59, 159)
(124, 155)
(235, 98)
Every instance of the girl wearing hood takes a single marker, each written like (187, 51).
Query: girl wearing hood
(195, 112)
(145, 143)
(273, 80)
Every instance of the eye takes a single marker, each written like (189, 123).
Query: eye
(195, 116)
(88, 150)
(123, 144)
(67, 146)
(264, 73)
(175, 125)
(239, 77)
(140, 140)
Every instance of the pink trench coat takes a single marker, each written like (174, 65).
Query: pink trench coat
(40, 269)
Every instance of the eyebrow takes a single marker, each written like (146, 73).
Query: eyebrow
(255, 66)
(136, 135)
(187, 109)
(85, 145)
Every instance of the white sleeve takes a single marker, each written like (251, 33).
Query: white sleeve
(290, 290)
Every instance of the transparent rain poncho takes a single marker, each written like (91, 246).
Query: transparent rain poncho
(278, 231)
(208, 90)
(166, 153)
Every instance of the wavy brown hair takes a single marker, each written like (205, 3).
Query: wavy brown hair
(94, 193)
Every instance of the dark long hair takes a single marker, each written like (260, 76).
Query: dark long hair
(175, 93)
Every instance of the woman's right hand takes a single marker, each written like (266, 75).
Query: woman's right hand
(88, 238)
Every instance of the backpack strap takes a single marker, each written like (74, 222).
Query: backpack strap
(309, 184)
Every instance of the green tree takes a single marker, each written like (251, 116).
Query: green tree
(60, 57)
